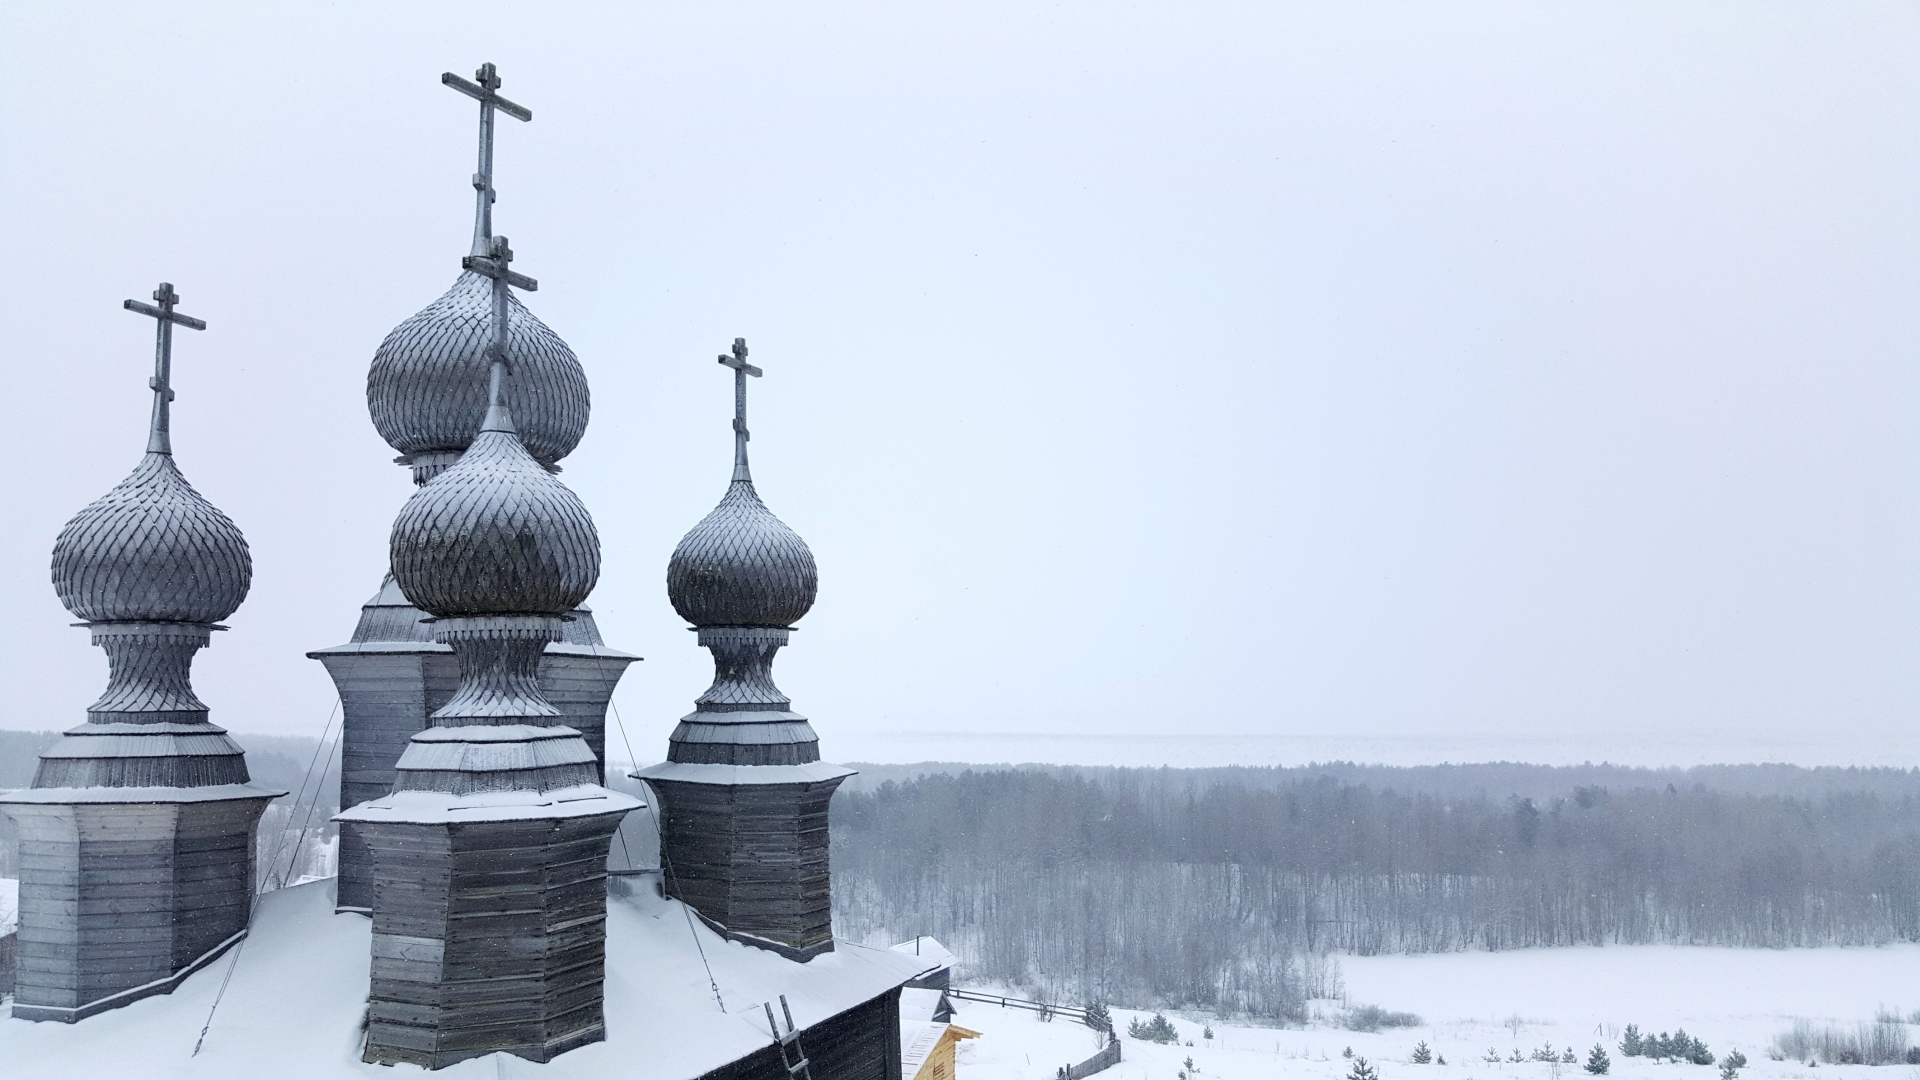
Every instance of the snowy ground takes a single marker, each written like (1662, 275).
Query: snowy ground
(1472, 1002)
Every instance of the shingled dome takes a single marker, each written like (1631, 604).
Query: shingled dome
(741, 566)
(495, 533)
(152, 550)
(427, 389)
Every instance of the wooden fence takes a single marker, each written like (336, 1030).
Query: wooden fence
(1105, 1059)
(1046, 1011)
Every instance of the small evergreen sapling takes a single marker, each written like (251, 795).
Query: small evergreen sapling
(1098, 1018)
(1731, 1065)
(1157, 1030)
(1206, 1032)
(1567, 1057)
(1421, 1054)
(1493, 1056)
(1631, 1044)
(1597, 1061)
(1442, 1059)
(1347, 1053)
(1362, 1071)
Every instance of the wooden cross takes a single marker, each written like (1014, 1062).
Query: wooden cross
(485, 92)
(741, 369)
(495, 265)
(159, 437)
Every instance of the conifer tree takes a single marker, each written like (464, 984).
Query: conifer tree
(1421, 1054)
(1597, 1061)
(1631, 1045)
(1362, 1071)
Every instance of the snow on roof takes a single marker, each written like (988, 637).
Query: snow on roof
(930, 953)
(702, 773)
(439, 808)
(60, 796)
(917, 1042)
(295, 1004)
(918, 1006)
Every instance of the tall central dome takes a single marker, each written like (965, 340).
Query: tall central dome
(427, 394)
(484, 863)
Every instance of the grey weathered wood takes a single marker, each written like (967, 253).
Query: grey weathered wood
(862, 1043)
(387, 693)
(487, 936)
(121, 900)
(752, 858)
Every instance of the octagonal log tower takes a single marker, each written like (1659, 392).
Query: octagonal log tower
(427, 393)
(137, 836)
(489, 855)
(743, 792)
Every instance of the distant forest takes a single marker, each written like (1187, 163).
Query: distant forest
(1218, 888)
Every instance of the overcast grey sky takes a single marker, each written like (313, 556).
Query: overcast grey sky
(1367, 370)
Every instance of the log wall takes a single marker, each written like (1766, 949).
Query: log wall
(120, 900)
(752, 858)
(862, 1043)
(387, 696)
(487, 936)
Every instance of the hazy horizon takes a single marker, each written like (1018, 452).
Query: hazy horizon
(1534, 379)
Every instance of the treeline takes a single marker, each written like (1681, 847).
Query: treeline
(1156, 887)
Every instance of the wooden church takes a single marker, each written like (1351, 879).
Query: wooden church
(475, 833)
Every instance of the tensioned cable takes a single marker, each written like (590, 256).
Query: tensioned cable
(274, 863)
(253, 909)
(312, 804)
(666, 864)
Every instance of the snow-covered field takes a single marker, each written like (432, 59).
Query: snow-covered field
(1470, 1003)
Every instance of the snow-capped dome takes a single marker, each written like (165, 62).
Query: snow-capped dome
(741, 566)
(495, 534)
(427, 389)
(152, 550)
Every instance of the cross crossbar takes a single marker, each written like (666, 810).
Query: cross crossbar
(485, 94)
(159, 429)
(187, 321)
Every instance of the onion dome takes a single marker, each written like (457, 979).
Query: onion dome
(427, 389)
(495, 534)
(741, 566)
(152, 550)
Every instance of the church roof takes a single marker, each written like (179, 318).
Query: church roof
(299, 990)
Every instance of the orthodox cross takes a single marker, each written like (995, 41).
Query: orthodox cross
(485, 92)
(159, 439)
(741, 369)
(494, 265)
